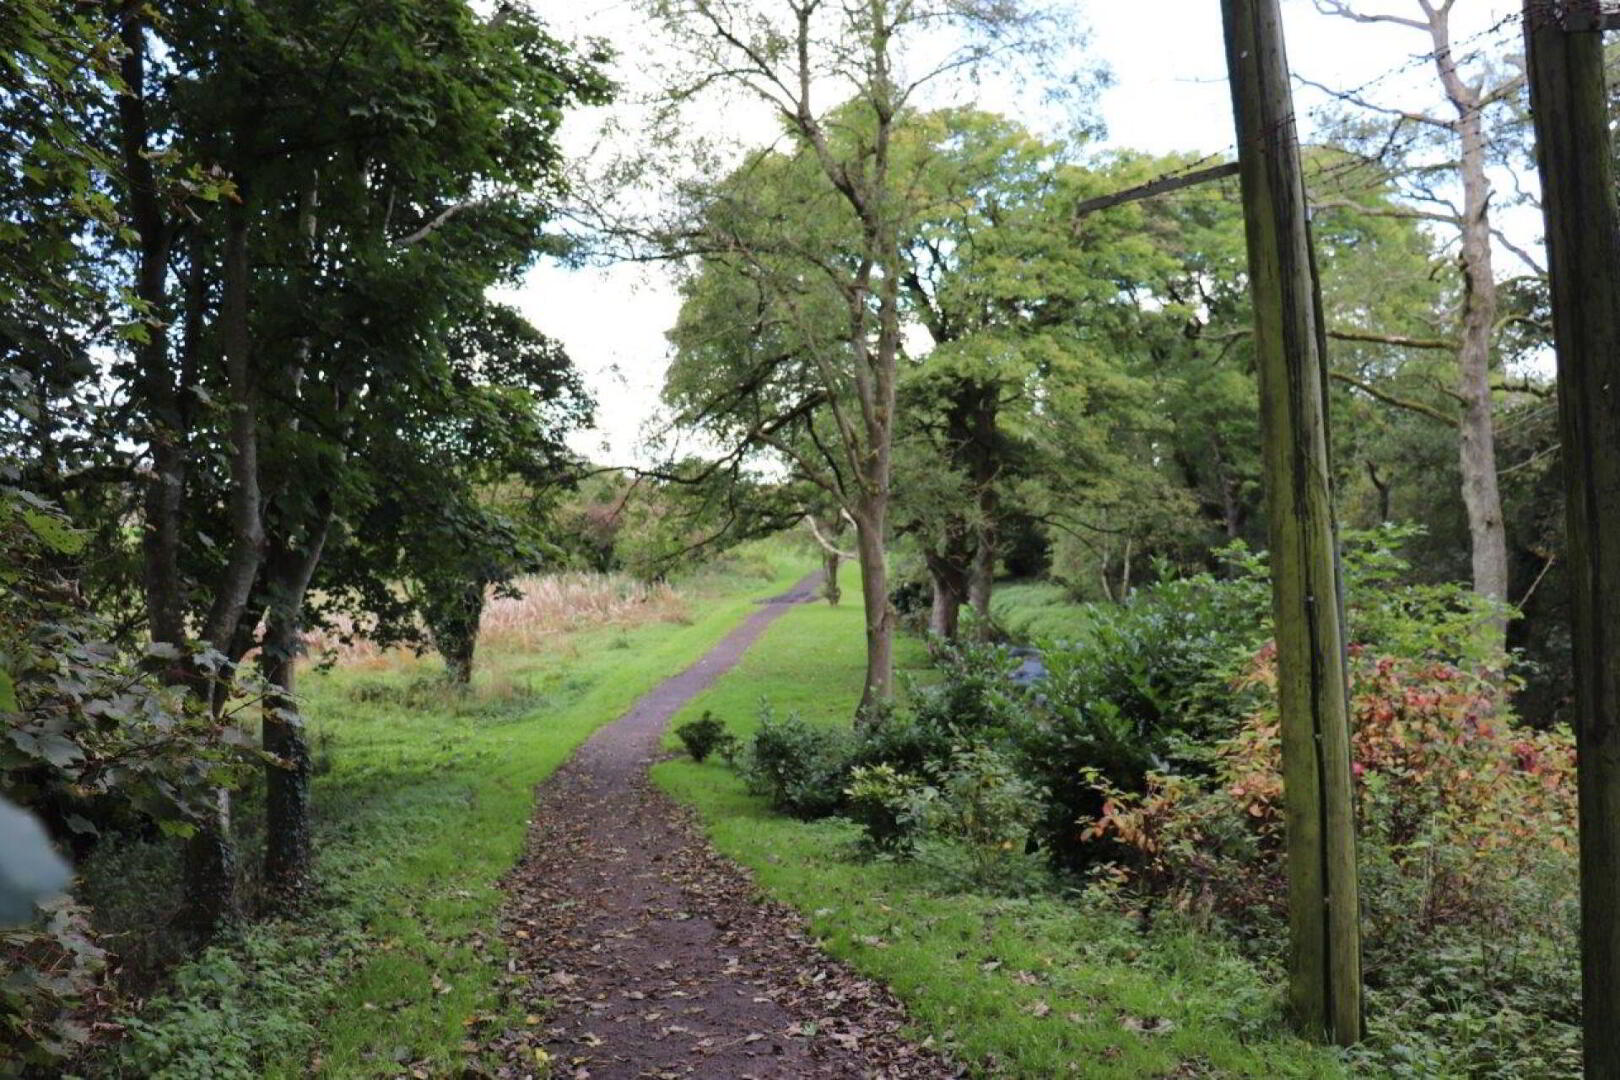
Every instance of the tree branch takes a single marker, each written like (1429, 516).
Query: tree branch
(1390, 399)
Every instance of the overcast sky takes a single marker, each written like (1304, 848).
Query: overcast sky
(1168, 94)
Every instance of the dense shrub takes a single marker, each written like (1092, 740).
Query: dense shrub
(975, 810)
(1154, 683)
(96, 741)
(985, 805)
(1466, 830)
(706, 735)
(801, 769)
(889, 805)
(902, 740)
(1144, 691)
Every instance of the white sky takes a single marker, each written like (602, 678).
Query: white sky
(1169, 94)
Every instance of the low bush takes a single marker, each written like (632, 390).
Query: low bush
(232, 1005)
(986, 806)
(799, 768)
(707, 735)
(890, 806)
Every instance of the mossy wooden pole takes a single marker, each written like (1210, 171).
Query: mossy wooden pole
(1570, 104)
(1313, 683)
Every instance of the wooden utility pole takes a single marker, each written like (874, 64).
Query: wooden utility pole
(1570, 104)
(1307, 601)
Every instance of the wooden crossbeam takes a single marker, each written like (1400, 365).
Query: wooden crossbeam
(1162, 186)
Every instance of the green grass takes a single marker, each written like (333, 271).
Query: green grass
(1038, 610)
(1033, 987)
(423, 802)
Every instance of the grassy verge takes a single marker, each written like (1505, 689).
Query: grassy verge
(423, 800)
(1038, 610)
(1034, 987)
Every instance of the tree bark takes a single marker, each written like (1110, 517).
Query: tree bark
(1313, 680)
(288, 851)
(246, 516)
(1569, 103)
(210, 858)
(870, 533)
(985, 472)
(210, 870)
(455, 612)
(948, 572)
(163, 499)
(830, 562)
(1482, 498)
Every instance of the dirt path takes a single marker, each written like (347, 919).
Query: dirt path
(657, 956)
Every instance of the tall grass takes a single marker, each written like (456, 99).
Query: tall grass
(556, 603)
(546, 607)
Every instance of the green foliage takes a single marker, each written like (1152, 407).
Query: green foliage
(799, 768)
(984, 803)
(1038, 985)
(95, 729)
(49, 968)
(706, 735)
(94, 740)
(904, 739)
(890, 806)
(227, 1008)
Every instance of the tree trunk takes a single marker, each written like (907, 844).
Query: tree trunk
(1477, 438)
(288, 851)
(163, 499)
(287, 847)
(1313, 680)
(455, 612)
(1477, 442)
(948, 576)
(211, 862)
(210, 870)
(985, 470)
(982, 578)
(1382, 486)
(1569, 101)
(830, 562)
(878, 687)
(246, 515)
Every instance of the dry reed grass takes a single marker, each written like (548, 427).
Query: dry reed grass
(550, 605)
